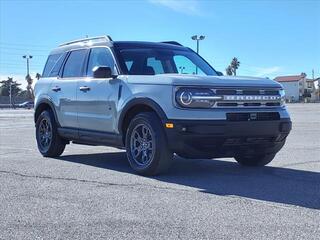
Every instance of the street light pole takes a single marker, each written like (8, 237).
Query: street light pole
(198, 39)
(27, 57)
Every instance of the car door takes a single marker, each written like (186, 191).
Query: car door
(63, 88)
(97, 97)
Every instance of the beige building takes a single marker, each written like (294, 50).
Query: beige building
(299, 88)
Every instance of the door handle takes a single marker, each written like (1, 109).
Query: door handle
(56, 89)
(84, 88)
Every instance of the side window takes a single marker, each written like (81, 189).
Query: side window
(186, 66)
(99, 57)
(52, 59)
(155, 64)
(74, 64)
(129, 64)
(56, 68)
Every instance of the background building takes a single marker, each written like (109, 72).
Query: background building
(298, 88)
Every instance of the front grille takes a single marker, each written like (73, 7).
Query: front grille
(247, 98)
(259, 116)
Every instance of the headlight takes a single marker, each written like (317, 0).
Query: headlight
(196, 97)
(282, 96)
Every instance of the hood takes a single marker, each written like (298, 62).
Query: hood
(195, 80)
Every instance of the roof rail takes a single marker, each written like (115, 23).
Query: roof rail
(173, 43)
(106, 38)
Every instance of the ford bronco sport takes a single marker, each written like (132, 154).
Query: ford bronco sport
(154, 100)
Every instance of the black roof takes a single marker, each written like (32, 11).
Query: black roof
(119, 44)
(141, 44)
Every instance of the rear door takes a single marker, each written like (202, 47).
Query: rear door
(97, 97)
(64, 88)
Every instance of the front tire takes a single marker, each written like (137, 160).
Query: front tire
(49, 142)
(255, 160)
(146, 145)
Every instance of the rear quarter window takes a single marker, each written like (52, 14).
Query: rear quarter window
(56, 68)
(51, 61)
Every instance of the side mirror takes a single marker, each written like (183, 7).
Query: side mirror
(102, 72)
(219, 73)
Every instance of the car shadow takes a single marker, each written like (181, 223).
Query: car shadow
(273, 184)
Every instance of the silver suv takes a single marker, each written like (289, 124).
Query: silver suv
(154, 100)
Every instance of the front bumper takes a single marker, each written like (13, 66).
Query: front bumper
(224, 138)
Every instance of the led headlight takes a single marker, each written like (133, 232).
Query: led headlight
(195, 97)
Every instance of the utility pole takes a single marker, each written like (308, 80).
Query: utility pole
(10, 93)
(313, 74)
(198, 39)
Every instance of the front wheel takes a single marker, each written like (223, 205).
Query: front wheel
(146, 145)
(255, 160)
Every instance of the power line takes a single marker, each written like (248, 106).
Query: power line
(20, 54)
(24, 49)
(24, 44)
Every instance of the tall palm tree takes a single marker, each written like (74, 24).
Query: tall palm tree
(229, 70)
(29, 86)
(235, 65)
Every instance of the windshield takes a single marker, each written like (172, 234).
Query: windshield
(151, 61)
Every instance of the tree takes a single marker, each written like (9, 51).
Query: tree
(38, 76)
(235, 65)
(229, 70)
(5, 87)
(29, 87)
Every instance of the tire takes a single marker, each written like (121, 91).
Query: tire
(49, 142)
(146, 145)
(256, 160)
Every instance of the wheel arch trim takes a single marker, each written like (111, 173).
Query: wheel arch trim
(50, 104)
(140, 101)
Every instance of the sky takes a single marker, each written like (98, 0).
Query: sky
(270, 38)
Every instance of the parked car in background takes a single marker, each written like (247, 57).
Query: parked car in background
(27, 105)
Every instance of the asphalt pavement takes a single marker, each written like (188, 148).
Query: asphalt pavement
(91, 192)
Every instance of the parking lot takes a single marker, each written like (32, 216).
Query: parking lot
(91, 192)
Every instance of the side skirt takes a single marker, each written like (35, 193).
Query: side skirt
(94, 138)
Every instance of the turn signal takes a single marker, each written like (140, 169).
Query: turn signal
(169, 125)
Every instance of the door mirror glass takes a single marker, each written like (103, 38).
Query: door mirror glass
(102, 72)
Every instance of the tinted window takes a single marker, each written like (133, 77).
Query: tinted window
(156, 65)
(149, 61)
(99, 57)
(55, 70)
(52, 59)
(185, 66)
(74, 64)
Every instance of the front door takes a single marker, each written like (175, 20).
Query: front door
(97, 97)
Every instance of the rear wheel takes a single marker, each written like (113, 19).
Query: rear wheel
(255, 160)
(146, 145)
(49, 142)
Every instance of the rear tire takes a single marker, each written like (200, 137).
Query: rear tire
(146, 145)
(255, 160)
(50, 144)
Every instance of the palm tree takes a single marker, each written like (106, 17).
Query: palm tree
(229, 70)
(29, 86)
(38, 76)
(235, 65)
